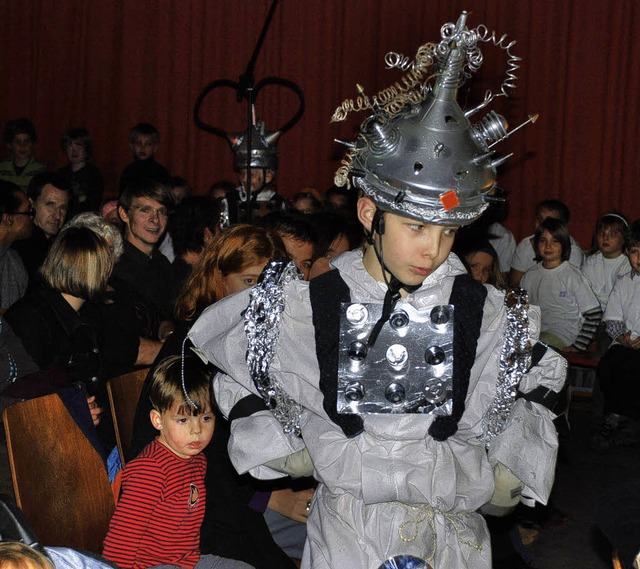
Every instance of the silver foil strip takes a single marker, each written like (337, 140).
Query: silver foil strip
(262, 326)
(515, 360)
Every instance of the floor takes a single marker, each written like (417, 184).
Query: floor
(582, 475)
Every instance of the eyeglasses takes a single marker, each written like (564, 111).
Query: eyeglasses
(31, 212)
(148, 211)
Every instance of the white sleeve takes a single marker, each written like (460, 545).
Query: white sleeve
(523, 258)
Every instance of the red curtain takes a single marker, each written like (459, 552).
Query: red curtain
(108, 64)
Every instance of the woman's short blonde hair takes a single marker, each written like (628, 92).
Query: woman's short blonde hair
(78, 263)
(18, 555)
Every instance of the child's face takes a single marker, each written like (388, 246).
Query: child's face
(321, 264)
(76, 153)
(550, 249)
(610, 242)
(21, 147)
(481, 265)
(184, 435)
(301, 252)
(411, 249)
(634, 257)
(244, 279)
(258, 178)
(144, 146)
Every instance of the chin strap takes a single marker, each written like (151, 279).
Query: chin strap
(393, 284)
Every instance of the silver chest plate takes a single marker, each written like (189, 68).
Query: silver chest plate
(409, 368)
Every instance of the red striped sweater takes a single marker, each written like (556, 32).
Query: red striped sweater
(160, 510)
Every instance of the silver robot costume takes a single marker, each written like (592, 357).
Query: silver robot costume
(392, 493)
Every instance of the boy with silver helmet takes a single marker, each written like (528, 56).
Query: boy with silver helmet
(402, 467)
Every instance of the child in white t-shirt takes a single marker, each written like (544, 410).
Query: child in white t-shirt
(525, 255)
(607, 261)
(571, 312)
(618, 369)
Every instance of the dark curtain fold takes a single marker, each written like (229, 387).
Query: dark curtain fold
(108, 64)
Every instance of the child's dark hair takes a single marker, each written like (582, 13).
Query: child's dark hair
(19, 126)
(80, 135)
(559, 231)
(561, 208)
(613, 221)
(633, 235)
(144, 129)
(167, 385)
(294, 226)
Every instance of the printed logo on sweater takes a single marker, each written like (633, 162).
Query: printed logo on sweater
(194, 495)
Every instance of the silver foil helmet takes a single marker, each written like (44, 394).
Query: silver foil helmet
(418, 155)
(264, 154)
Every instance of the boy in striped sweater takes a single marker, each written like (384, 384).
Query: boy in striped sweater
(160, 510)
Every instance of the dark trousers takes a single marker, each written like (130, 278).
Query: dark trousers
(619, 379)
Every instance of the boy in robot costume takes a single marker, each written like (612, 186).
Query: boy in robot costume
(394, 484)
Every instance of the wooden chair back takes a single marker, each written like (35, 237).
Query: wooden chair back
(59, 479)
(124, 392)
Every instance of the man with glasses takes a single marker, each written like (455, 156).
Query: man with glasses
(15, 223)
(143, 276)
(50, 195)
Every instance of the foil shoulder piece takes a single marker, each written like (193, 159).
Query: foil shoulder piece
(262, 326)
(515, 360)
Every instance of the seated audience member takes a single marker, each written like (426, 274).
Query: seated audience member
(607, 262)
(144, 140)
(617, 372)
(83, 176)
(49, 194)
(481, 260)
(180, 190)
(16, 216)
(48, 320)
(571, 312)
(233, 525)
(525, 254)
(143, 276)
(335, 235)
(163, 498)
(298, 235)
(306, 202)
(122, 349)
(20, 137)
(192, 227)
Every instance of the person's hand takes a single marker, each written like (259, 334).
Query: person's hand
(94, 410)
(570, 348)
(293, 505)
(628, 341)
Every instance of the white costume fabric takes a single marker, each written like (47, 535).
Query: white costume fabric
(503, 241)
(624, 303)
(523, 258)
(603, 273)
(392, 489)
(563, 295)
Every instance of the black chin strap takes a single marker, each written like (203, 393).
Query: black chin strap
(393, 284)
